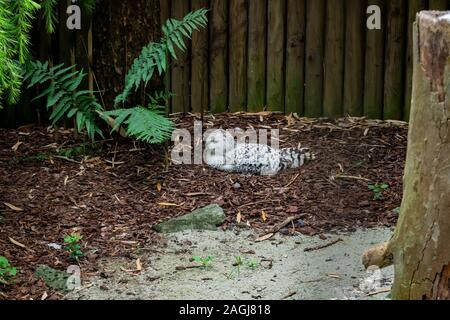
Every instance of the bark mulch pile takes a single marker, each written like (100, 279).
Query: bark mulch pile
(118, 189)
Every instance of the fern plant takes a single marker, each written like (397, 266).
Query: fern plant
(146, 124)
(15, 24)
(63, 97)
(153, 57)
(150, 124)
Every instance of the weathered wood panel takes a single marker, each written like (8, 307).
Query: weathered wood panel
(165, 12)
(238, 55)
(295, 56)
(275, 55)
(315, 27)
(414, 6)
(395, 50)
(374, 67)
(354, 57)
(257, 56)
(218, 50)
(199, 64)
(180, 67)
(440, 5)
(334, 59)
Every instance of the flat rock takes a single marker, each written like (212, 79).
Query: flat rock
(55, 279)
(207, 218)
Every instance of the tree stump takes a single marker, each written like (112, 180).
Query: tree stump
(421, 244)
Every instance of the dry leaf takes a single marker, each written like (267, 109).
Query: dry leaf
(168, 204)
(12, 207)
(366, 132)
(239, 217)
(264, 216)
(138, 264)
(16, 146)
(158, 187)
(118, 200)
(17, 243)
(264, 238)
(44, 296)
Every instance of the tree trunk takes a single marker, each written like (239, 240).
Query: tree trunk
(421, 243)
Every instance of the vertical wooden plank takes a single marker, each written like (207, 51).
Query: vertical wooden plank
(81, 48)
(164, 6)
(440, 5)
(395, 40)
(180, 67)
(257, 31)
(199, 64)
(334, 59)
(275, 55)
(295, 56)
(218, 51)
(354, 57)
(414, 6)
(315, 28)
(374, 67)
(45, 49)
(65, 37)
(238, 55)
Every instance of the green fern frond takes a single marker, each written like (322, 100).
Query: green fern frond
(63, 97)
(153, 57)
(144, 124)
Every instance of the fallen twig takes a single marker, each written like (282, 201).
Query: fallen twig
(350, 178)
(283, 224)
(271, 232)
(289, 295)
(292, 181)
(68, 159)
(329, 244)
(384, 290)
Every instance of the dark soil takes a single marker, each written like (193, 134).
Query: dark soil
(119, 189)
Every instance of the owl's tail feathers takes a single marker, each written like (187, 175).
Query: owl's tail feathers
(304, 155)
(296, 157)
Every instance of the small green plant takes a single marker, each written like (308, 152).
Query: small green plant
(238, 263)
(378, 190)
(253, 264)
(204, 261)
(7, 272)
(73, 246)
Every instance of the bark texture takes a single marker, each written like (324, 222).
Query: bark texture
(421, 243)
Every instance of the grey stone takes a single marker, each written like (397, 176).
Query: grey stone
(55, 279)
(207, 218)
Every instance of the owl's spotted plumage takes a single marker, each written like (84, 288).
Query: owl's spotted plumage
(223, 153)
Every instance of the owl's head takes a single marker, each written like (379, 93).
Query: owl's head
(219, 141)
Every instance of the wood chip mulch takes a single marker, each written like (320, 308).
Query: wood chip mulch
(114, 195)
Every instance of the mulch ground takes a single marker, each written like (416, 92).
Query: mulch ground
(115, 194)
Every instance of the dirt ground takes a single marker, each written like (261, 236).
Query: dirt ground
(115, 194)
(285, 267)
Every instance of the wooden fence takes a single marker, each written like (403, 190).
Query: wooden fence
(313, 57)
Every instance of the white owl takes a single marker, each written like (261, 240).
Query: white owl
(222, 152)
